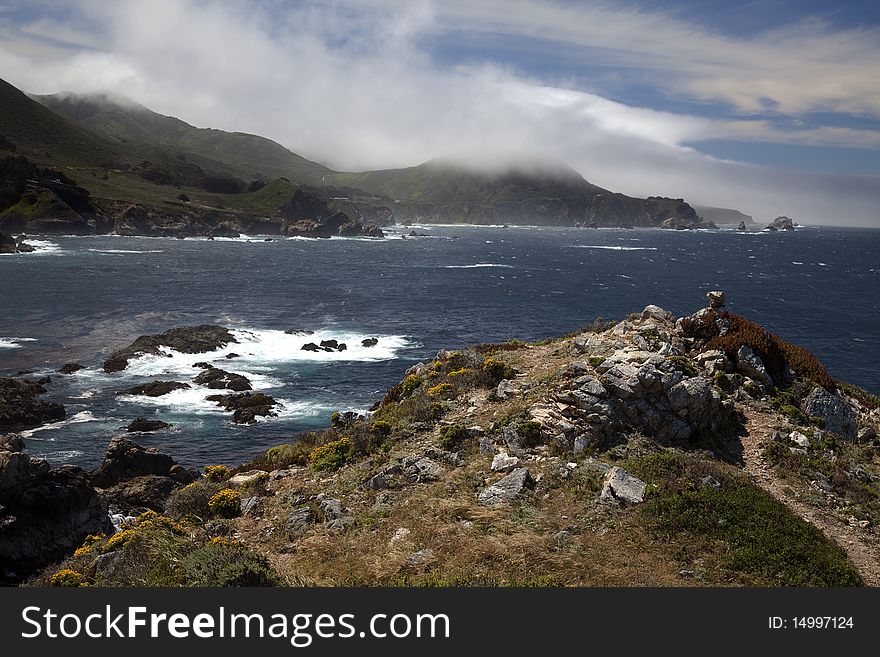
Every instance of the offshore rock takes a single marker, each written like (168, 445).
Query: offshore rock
(185, 339)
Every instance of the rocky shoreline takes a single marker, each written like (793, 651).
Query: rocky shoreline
(587, 439)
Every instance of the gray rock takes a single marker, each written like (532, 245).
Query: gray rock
(504, 462)
(420, 559)
(245, 478)
(506, 389)
(422, 468)
(591, 386)
(751, 365)
(621, 486)
(250, 506)
(717, 299)
(299, 521)
(838, 416)
(710, 481)
(799, 439)
(866, 434)
(507, 488)
(657, 313)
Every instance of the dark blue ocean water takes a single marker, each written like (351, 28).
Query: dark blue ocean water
(80, 298)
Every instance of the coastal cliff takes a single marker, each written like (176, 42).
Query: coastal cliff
(656, 450)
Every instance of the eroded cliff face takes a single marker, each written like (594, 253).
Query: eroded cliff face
(599, 210)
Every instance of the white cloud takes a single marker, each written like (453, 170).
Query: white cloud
(349, 85)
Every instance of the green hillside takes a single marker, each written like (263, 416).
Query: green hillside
(27, 128)
(236, 153)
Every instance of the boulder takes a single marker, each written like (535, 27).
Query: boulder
(20, 408)
(838, 416)
(620, 486)
(751, 365)
(125, 460)
(218, 379)
(310, 346)
(369, 342)
(506, 389)
(245, 478)
(717, 299)
(156, 388)
(299, 521)
(144, 425)
(507, 488)
(70, 368)
(185, 339)
(134, 496)
(504, 462)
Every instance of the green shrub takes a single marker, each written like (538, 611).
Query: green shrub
(410, 385)
(192, 500)
(217, 472)
(497, 370)
(595, 361)
(224, 564)
(332, 455)
(66, 578)
(442, 390)
(453, 437)
(225, 504)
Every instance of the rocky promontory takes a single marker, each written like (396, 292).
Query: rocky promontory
(656, 450)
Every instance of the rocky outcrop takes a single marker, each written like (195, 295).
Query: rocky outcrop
(70, 368)
(156, 388)
(306, 215)
(7, 243)
(133, 478)
(246, 406)
(44, 513)
(125, 460)
(780, 223)
(20, 408)
(217, 379)
(185, 339)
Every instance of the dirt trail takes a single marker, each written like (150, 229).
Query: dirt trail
(864, 555)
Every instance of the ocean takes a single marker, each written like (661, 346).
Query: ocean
(79, 298)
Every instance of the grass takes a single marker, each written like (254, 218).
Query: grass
(748, 536)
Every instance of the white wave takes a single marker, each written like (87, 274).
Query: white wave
(613, 248)
(43, 247)
(822, 264)
(263, 349)
(14, 343)
(796, 263)
(115, 251)
(86, 394)
(78, 418)
(192, 401)
(479, 265)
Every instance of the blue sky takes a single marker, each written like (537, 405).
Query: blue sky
(771, 101)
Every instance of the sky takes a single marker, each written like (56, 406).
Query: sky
(768, 106)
